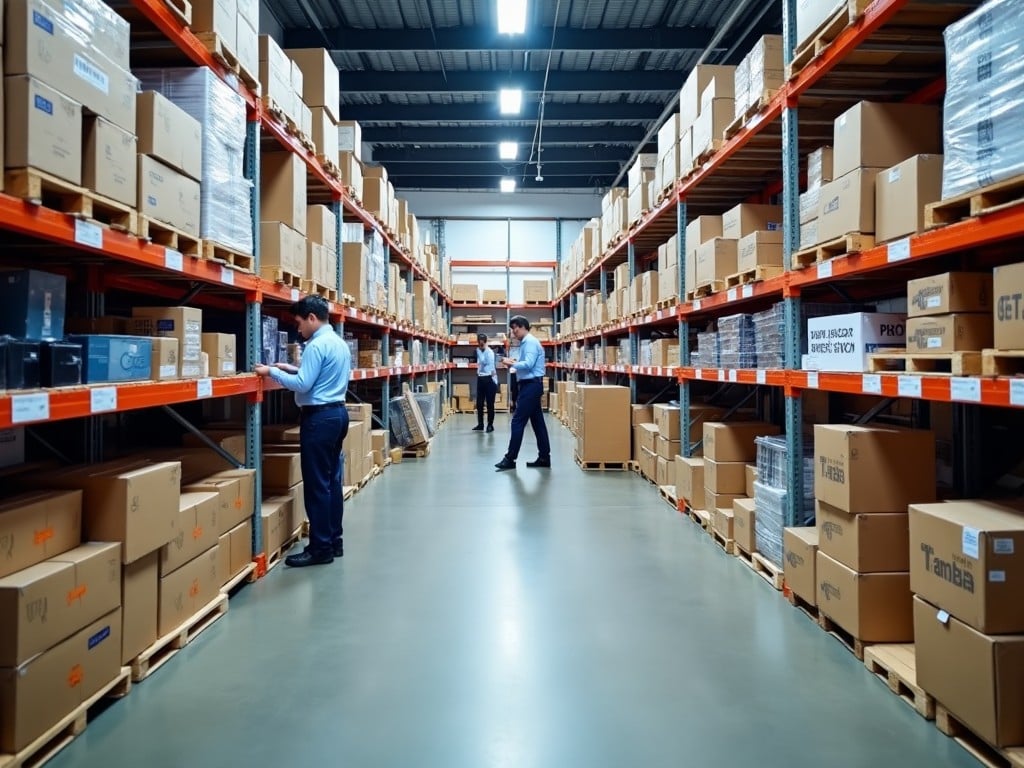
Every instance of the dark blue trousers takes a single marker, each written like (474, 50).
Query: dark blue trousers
(320, 439)
(528, 410)
(486, 390)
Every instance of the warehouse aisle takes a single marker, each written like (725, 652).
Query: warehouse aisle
(529, 618)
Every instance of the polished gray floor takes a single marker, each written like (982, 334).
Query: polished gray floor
(531, 619)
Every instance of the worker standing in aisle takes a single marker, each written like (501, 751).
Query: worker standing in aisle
(320, 384)
(529, 370)
(513, 382)
(486, 383)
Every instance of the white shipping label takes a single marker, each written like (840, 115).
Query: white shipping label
(997, 577)
(894, 175)
(934, 342)
(204, 388)
(168, 371)
(964, 389)
(92, 74)
(933, 301)
(969, 542)
(732, 375)
(721, 375)
(1002, 546)
(909, 386)
(295, 294)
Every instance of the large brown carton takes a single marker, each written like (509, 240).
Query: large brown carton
(743, 525)
(873, 607)
(722, 522)
(696, 83)
(43, 129)
(50, 601)
(667, 449)
(275, 513)
(847, 205)
(716, 260)
(747, 218)
(187, 591)
(224, 559)
(799, 553)
(109, 165)
(168, 196)
(975, 676)
(690, 481)
(759, 249)
(182, 323)
(901, 194)
(169, 133)
(604, 431)
(38, 525)
(967, 557)
(232, 504)
(1008, 313)
(220, 349)
(283, 189)
(949, 333)
(240, 538)
(140, 590)
(667, 418)
(867, 543)
(34, 696)
(320, 87)
(876, 135)
(873, 469)
(197, 530)
(950, 292)
(714, 500)
(281, 470)
(648, 437)
(725, 476)
(734, 442)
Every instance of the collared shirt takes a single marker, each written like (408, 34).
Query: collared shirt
(531, 359)
(485, 362)
(323, 373)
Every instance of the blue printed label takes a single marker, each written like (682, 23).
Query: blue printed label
(151, 199)
(42, 22)
(99, 637)
(43, 104)
(165, 325)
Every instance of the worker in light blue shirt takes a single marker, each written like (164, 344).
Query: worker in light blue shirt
(320, 383)
(529, 370)
(486, 383)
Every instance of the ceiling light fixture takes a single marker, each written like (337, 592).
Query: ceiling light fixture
(511, 17)
(508, 150)
(508, 185)
(511, 100)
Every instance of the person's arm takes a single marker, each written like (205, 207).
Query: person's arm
(286, 367)
(528, 356)
(306, 375)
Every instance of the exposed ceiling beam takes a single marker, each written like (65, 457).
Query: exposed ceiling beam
(405, 154)
(479, 183)
(365, 81)
(487, 111)
(581, 136)
(488, 39)
(498, 169)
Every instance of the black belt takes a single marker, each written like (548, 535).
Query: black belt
(527, 381)
(324, 407)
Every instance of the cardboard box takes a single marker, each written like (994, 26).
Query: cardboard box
(648, 437)
(759, 249)
(648, 464)
(247, 38)
(324, 132)
(722, 521)
(197, 530)
(809, 205)
(967, 557)
(224, 559)
(243, 505)
(281, 470)
(187, 590)
(494, 295)
(950, 292)
(809, 232)
(690, 481)
(276, 75)
(375, 196)
(751, 478)
(283, 247)
(140, 590)
(847, 205)
(604, 424)
(168, 196)
(901, 194)
(873, 607)
(949, 333)
(350, 139)
(716, 260)
(667, 418)
(320, 80)
(50, 601)
(272, 513)
(725, 476)
(216, 17)
(321, 225)
(110, 167)
(747, 218)
(873, 469)
(723, 500)
(182, 323)
(1008, 287)
(283, 189)
(34, 696)
(710, 125)
(536, 290)
(873, 135)
(667, 449)
(734, 441)
(696, 83)
(38, 525)
(744, 531)
(221, 349)
(800, 549)
(43, 129)
(819, 167)
(843, 342)
(973, 675)
(465, 292)
(868, 543)
(164, 358)
(228, 495)
(240, 539)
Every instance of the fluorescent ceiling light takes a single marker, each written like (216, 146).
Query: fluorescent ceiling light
(508, 150)
(511, 17)
(511, 100)
(508, 185)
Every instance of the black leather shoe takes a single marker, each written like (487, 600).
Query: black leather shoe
(338, 548)
(303, 559)
(490, 428)
(543, 463)
(478, 428)
(504, 464)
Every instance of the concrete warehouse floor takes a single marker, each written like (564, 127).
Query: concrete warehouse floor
(535, 618)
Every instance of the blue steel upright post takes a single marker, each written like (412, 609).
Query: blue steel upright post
(254, 331)
(684, 330)
(634, 337)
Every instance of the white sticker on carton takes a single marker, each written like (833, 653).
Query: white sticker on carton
(997, 577)
(1002, 546)
(894, 175)
(933, 301)
(908, 386)
(871, 383)
(966, 390)
(92, 74)
(969, 542)
(934, 342)
(943, 617)
(168, 371)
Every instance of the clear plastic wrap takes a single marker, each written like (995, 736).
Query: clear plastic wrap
(408, 423)
(771, 463)
(983, 124)
(225, 193)
(769, 329)
(770, 519)
(707, 352)
(376, 269)
(269, 340)
(430, 407)
(100, 27)
(736, 345)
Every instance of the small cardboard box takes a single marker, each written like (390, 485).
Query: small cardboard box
(744, 532)
(320, 79)
(197, 530)
(536, 290)
(847, 205)
(734, 441)
(1008, 287)
(648, 437)
(759, 249)
(169, 134)
(187, 590)
(725, 476)
(800, 549)
(110, 167)
(240, 539)
(43, 129)
(868, 543)
(164, 360)
(168, 196)
(950, 292)
(901, 194)
(873, 469)
(690, 481)
(722, 521)
(140, 590)
(874, 135)
(491, 295)
(873, 607)
(465, 292)
(949, 333)
(667, 418)
(747, 218)
(282, 470)
(283, 189)
(843, 342)
(716, 260)
(221, 349)
(350, 139)
(38, 525)
(667, 449)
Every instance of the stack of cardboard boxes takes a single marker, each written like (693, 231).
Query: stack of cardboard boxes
(358, 446)
(729, 449)
(321, 250)
(758, 75)
(951, 312)
(602, 423)
(714, 244)
(639, 177)
(705, 110)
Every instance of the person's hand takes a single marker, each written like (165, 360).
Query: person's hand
(262, 370)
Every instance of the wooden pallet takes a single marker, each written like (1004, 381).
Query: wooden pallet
(311, 287)
(1002, 362)
(757, 274)
(278, 275)
(329, 165)
(278, 555)
(729, 545)
(537, 303)
(601, 466)
(215, 46)
(755, 107)
(667, 303)
(707, 289)
(164, 234)
(981, 750)
(747, 558)
(846, 639)
(69, 727)
(41, 188)
(632, 466)
(806, 608)
(767, 570)
(182, 9)
(840, 246)
(933, 364)
(348, 492)
(668, 493)
(168, 646)
(230, 258)
(418, 451)
(244, 576)
(823, 36)
(701, 517)
(976, 202)
(896, 666)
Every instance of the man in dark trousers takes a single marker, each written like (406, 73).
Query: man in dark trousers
(486, 383)
(320, 384)
(529, 370)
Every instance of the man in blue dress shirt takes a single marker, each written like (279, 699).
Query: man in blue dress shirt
(320, 383)
(486, 383)
(529, 370)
